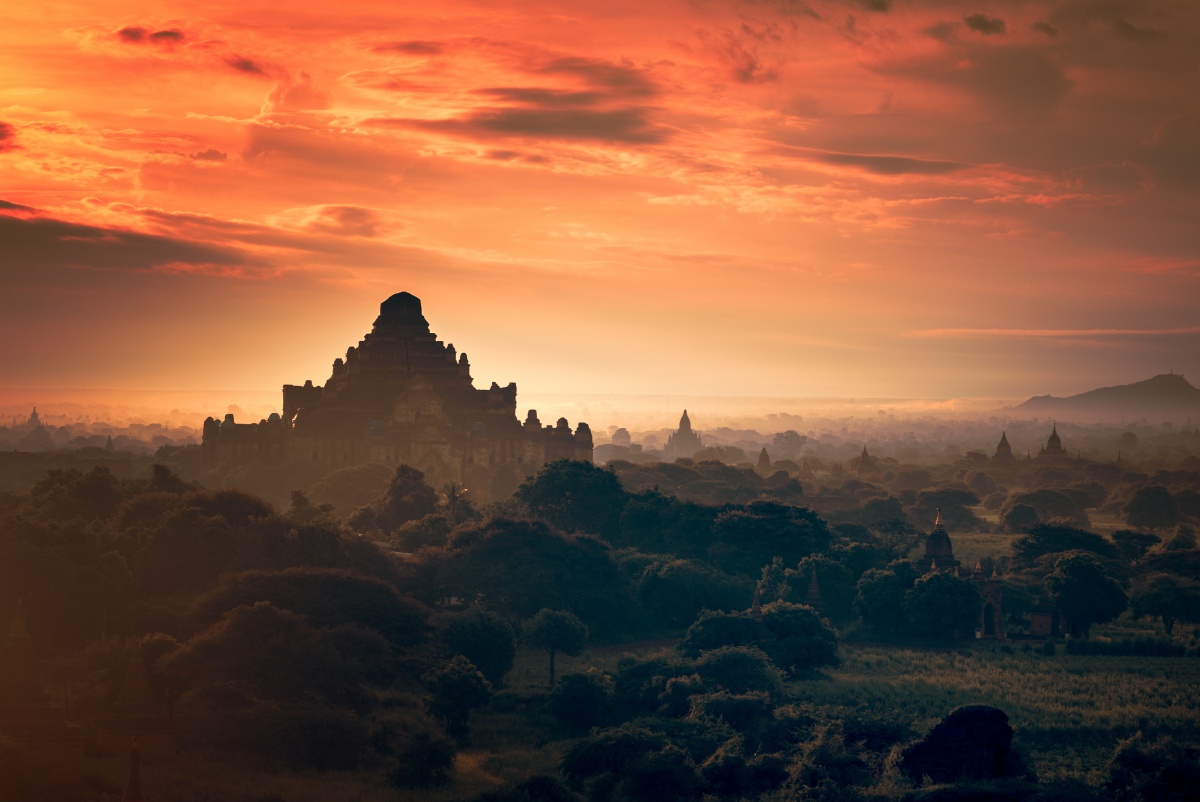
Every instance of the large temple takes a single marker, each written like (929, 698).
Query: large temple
(401, 396)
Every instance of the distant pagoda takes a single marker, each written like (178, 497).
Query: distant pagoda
(1004, 452)
(684, 442)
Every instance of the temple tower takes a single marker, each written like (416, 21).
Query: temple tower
(939, 551)
(1004, 452)
(684, 442)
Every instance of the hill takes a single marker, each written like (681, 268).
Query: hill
(1168, 396)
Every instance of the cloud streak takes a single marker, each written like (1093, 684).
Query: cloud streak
(1054, 334)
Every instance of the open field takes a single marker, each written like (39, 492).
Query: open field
(1068, 712)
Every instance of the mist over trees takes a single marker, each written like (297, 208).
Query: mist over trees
(666, 630)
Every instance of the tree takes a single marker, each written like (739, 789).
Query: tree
(675, 592)
(582, 701)
(836, 583)
(971, 743)
(940, 605)
(325, 597)
(1134, 545)
(430, 530)
(456, 502)
(407, 498)
(740, 669)
(457, 688)
(1152, 507)
(798, 639)
(747, 538)
(1159, 770)
(268, 653)
(1042, 540)
(1051, 505)
(1167, 597)
(517, 567)
(555, 631)
(484, 638)
(1020, 518)
(787, 444)
(713, 629)
(880, 598)
(576, 496)
(1083, 592)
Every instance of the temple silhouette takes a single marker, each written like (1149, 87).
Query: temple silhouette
(401, 396)
(683, 443)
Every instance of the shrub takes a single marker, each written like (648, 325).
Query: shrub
(971, 743)
(582, 701)
(740, 669)
(713, 629)
(610, 751)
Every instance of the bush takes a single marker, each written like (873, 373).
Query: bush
(738, 710)
(582, 701)
(714, 629)
(971, 743)
(797, 638)
(740, 669)
(1158, 770)
(610, 751)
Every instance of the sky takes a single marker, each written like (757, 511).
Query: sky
(846, 198)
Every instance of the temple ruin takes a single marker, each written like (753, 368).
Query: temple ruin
(401, 396)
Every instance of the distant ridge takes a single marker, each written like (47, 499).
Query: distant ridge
(1167, 396)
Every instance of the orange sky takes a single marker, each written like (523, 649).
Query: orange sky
(916, 198)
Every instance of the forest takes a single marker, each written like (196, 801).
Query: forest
(639, 631)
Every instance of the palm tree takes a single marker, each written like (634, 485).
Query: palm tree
(454, 499)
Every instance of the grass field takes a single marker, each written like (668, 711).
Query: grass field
(1068, 712)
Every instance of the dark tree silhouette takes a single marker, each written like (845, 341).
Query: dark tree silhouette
(457, 688)
(576, 496)
(797, 639)
(971, 743)
(407, 498)
(880, 598)
(748, 538)
(555, 631)
(1168, 597)
(941, 605)
(484, 638)
(1152, 507)
(1134, 545)
(1160, 770)
(1081, 589)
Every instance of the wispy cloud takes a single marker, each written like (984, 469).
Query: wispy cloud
(1052, 333)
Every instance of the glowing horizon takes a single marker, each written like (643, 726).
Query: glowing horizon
(766, 198)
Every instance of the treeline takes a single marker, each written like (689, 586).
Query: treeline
(306, 641)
